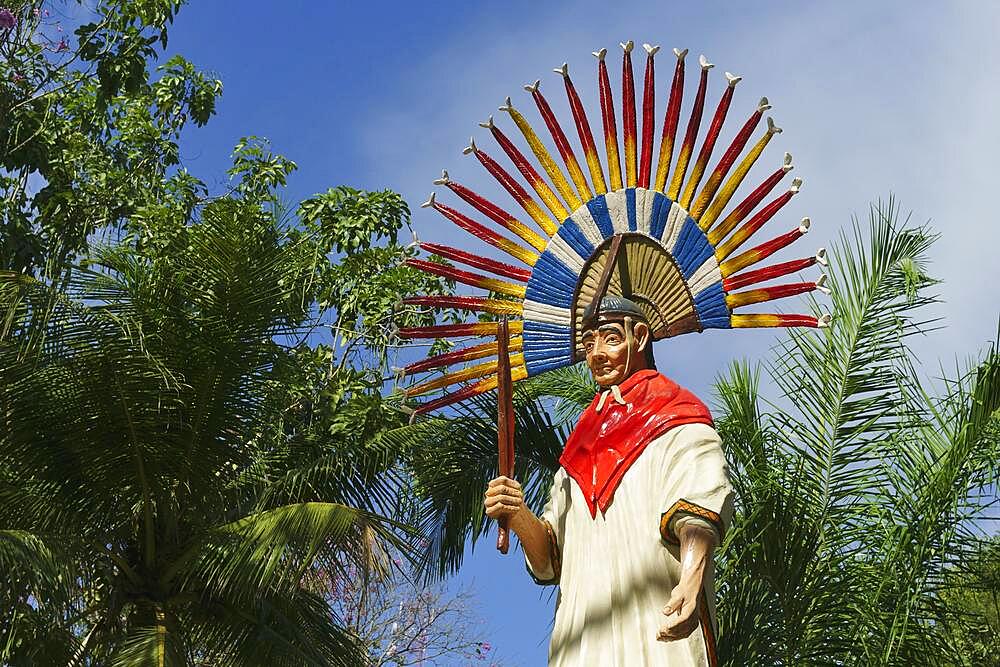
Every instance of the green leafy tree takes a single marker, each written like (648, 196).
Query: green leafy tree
(972, 598)
(191, 381)
(87, 138)
(178, 455)
(858, 488)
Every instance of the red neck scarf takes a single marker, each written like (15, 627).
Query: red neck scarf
(606, 442)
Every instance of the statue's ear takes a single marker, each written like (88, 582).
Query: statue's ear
(640, 330)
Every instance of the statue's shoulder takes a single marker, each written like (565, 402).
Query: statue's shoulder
(672, 397)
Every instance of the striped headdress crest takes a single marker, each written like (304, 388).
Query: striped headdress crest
(667, 238)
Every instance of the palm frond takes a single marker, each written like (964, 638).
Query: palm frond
(452, 459)
(156, 645)
(278, 631)
(770, 576)
(941, 468)
(271, 549)
(848, 383)
(855, 488)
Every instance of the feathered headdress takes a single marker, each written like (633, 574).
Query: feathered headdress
(667, 239)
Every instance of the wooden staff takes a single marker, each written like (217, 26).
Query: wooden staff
(505, 421)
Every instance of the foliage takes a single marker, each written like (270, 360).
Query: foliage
(86, 138)
(857, 488)
(972, 597)
(191, 386)
(147, 436)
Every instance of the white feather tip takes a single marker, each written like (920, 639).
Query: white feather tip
(823, 321)
(627, 46)
(786, 165)
(680, 53)
(821, 284)
(804, 225)
(733, 79)
(796, 185)
(763, 105)
(650, 49)
(429, 202)
(444, 180)
(471, 148)
(771, 127)
(600, 54)
(703, 61)
(533, 87)
(563, 70)
(488, 123)
(821, 257)
(507, 106)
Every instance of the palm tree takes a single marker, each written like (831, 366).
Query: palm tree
(858, 488)
(179, 471)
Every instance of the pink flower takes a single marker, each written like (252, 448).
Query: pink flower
(7, 19)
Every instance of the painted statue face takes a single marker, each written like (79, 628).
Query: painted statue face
(608, 354)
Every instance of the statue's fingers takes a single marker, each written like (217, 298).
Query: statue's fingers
(674, 603)
(499, 490)
(508, 483)
(493, 503)
(501, 505)
(504, 490)
(681, 623)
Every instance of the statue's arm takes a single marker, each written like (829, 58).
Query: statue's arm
(697, 542)
(505, 498)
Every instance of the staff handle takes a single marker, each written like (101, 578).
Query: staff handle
(505, 421)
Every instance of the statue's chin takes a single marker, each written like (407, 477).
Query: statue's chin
(607, 379)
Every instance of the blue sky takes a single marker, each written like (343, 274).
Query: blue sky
(874, 97)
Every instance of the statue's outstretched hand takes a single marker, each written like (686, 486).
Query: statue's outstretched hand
(504, 499)
(681, 611)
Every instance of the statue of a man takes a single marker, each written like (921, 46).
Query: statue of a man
(639, 503)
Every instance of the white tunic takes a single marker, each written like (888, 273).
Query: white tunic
(617, 571)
